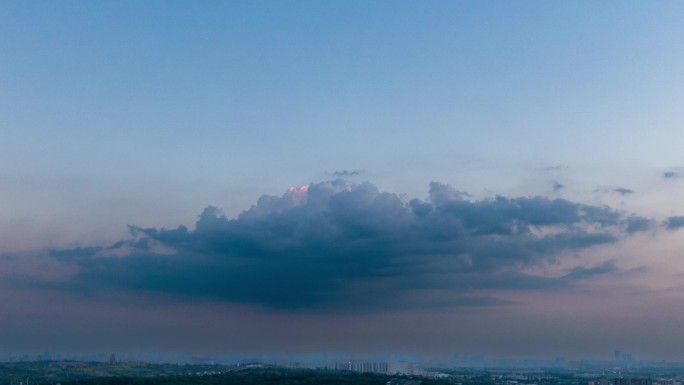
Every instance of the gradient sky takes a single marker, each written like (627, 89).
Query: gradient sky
(498, 178)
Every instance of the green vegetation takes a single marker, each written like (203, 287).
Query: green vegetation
(93, 373)
(268, 377)
(52, 372)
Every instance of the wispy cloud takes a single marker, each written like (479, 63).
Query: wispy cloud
(623, 191)
(614, 190)
(557, 186)
(581, 272)
(342, 246)
(347, 173)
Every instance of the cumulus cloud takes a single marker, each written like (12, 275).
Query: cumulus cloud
(337, 245)
(442, 193)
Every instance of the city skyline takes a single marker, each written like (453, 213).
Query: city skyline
(342, 361)
(298, 177)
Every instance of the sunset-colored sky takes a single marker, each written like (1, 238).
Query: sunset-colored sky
(386, 177)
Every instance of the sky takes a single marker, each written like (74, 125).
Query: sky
(387, 177)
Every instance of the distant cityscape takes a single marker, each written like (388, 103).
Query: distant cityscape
(458, 369)
(621, 363)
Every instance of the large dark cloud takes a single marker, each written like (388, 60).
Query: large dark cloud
(341, 246)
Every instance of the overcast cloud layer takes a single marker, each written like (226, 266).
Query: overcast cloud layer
(340, 246)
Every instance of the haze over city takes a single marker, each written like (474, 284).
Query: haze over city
(355, 177)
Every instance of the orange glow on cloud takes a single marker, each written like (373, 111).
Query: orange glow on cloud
(302, 189)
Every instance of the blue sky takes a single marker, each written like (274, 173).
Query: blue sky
(144, 114)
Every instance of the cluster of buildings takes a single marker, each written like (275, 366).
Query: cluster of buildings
(623, 359)
(381, 367)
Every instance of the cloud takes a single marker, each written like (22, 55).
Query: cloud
(347, 173)
(623, 191)
(635, 224)
(670, 175)
(340, 246)
(673, 223)
(582, 272)
(441, 193)
(557, 186)
(618, 190)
